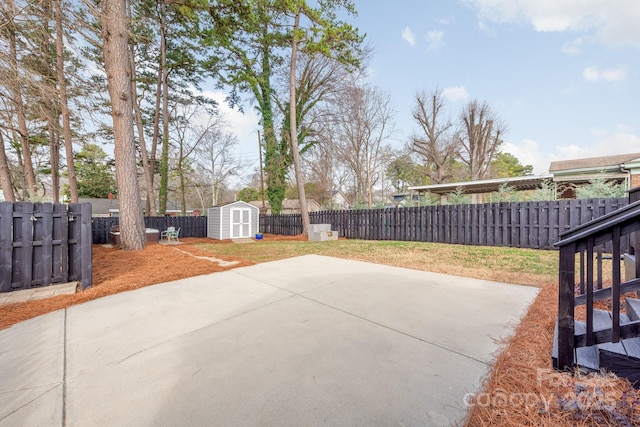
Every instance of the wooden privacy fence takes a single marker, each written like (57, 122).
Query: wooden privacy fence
(190, 226)
(43, 244)
(535, 225)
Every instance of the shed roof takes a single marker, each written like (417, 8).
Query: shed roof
(236, 202)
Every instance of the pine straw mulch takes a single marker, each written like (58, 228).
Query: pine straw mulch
(523, 390)
(115, 270)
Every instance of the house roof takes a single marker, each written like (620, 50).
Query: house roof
(592, 163)
(484, 186)
(290, 204)
(295, 203)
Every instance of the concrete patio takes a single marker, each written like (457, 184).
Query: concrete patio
(304, 341)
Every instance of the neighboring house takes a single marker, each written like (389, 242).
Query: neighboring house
(403, 198)
(622, 168)
(101, 207)
(289, 206)
(339, 201)
(110, 207)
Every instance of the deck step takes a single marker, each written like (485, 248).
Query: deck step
(622, 365)
(590, 357)
(585, 357)
(630, 266)
(633, 308)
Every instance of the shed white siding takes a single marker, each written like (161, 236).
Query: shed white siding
(220, 221)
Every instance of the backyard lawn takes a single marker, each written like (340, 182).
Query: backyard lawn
(511, 265)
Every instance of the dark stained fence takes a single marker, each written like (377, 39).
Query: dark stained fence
(43, 244)
(535, 225)
(190, 226)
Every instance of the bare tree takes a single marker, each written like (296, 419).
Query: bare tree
(363, 123)
(214, 157)
(116, 61)
(14, 83)
(481, 138)
(193, 140)
(436, 144)
(5, 174)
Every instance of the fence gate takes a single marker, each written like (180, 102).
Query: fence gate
(44, 244)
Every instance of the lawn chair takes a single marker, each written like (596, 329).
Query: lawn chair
(174, 236)
(166, 233)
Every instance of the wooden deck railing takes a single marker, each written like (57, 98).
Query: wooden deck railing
(588, 240)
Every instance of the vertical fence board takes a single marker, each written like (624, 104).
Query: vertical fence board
(86, 263)
(6, 245)
(26, 248)
(59, 212)
(46, 236)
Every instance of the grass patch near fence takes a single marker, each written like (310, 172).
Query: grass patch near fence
(512, 265)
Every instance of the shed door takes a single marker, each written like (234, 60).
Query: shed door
(240, 223)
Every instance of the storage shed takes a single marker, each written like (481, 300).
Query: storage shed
(232, 220)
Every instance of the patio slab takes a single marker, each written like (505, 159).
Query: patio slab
(304, 341)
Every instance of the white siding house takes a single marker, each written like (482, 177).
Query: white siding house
(232, 221)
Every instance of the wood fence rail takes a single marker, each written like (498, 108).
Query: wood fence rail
(535, 225)
(42, 244)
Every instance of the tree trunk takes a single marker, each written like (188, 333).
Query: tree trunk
(156, 134)
(164, 158)
(16, 94)
(183, 200)
(295, 152)
(5, 175)
(64, 105)
(116, 54)
(148, 174)
(54, 158)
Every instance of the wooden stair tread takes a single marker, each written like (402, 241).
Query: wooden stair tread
(605, 355)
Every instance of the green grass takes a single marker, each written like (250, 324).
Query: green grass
(512, 265)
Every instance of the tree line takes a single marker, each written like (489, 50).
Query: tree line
(75, 75)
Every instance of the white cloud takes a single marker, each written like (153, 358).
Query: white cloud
(435, 39)
(573, 47)
(528, 152)
(409, 36)
(243, 125)
(612, 22)
(618, 142)
(593, 74)
(455, 93)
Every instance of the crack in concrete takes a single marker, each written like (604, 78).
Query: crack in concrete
(29, 402)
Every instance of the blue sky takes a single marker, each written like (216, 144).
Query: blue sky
(563, 74)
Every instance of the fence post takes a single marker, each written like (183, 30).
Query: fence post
(566, 278)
